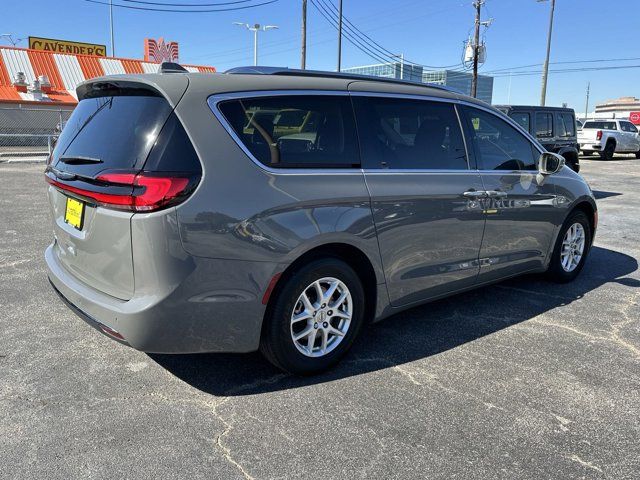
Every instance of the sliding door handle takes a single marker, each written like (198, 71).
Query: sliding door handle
(496, 193)
(475, 194)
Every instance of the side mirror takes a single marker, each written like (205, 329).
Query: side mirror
(549, 163)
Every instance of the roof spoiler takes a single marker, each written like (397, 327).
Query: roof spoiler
(172, 67)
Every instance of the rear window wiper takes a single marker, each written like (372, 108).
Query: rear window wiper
(79, 160)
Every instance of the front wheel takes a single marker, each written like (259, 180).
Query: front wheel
(571, 248)
(315, 318)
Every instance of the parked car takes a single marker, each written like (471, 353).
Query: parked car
(608, 137)
(177, 229)
(554, 127)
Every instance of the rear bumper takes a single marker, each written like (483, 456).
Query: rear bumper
(216, 308)
(590, 146)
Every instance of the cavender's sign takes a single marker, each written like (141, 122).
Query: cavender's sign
(63, 46)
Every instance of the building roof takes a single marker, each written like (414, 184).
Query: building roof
(619, 105)
(64, 71)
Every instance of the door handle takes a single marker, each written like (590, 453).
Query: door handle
(475, 194)
(496, 193)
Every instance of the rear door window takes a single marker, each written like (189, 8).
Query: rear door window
(296, 131)
(522, 118)
(565, 126)
(628, 127)
(569, 124)
(113, 132)
(497, 145)
(409, 134)
(544, 125)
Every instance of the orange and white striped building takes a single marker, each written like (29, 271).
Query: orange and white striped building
(56, 75)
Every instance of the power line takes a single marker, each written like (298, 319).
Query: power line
(347, 35)
(373, 44)
(166, 4)
(175, 10)
(569, 70)
(355, 37)
(560, 63)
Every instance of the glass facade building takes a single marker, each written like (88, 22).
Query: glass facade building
(460, 81)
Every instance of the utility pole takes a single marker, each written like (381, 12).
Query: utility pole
(113, 45)
(303, 50)
(476, 48)
(545, 69)
(586, 107)
(339, 35)
(255, 29)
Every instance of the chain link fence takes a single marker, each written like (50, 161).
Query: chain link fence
(29, 133)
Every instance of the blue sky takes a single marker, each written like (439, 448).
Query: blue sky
(425, 31)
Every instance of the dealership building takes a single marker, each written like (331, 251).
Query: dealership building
(455, 79)
(627, 108)
(37, 87)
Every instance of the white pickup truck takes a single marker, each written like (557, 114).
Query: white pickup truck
(608, 137)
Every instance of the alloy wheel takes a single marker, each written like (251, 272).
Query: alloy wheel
(321, 317)
(572, 247)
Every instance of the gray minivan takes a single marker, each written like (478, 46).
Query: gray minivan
(285, 210)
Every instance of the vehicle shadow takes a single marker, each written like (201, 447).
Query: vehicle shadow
(600, 194)
(414, 334)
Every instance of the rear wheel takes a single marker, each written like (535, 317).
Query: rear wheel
(315, 318)
(609, 150)
(571, 249)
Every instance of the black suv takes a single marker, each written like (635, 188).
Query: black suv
(554, 127)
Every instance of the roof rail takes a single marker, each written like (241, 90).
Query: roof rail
(325, 74)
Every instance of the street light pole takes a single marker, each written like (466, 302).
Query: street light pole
(303, 49)
(255, 29)
(339, 34)
(545, 69)
(255, 47)
(113, 45)
(476, 49)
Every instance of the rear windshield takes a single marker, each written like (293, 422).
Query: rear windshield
(601, 125)
(110, 133)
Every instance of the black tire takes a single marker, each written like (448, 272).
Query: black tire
(638, 154)
(609, 150)
(555, 271)
(572, 162)
(276, 343)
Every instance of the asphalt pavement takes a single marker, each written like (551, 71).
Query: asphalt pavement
(523, 379)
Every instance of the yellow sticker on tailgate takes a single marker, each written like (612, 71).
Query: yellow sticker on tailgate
(74, 213)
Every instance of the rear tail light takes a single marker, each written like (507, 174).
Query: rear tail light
(142, 192)
(599, 135)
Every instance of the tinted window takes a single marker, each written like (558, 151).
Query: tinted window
(497, 145)
(296, 131)
(569, 124)
(544, 125)
(409, 134)
(564, 125)
(601, 125)
(116, 132)
(521, 118)
(628, 127)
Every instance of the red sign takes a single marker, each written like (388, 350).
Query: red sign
(635, 118)
(159, 51)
